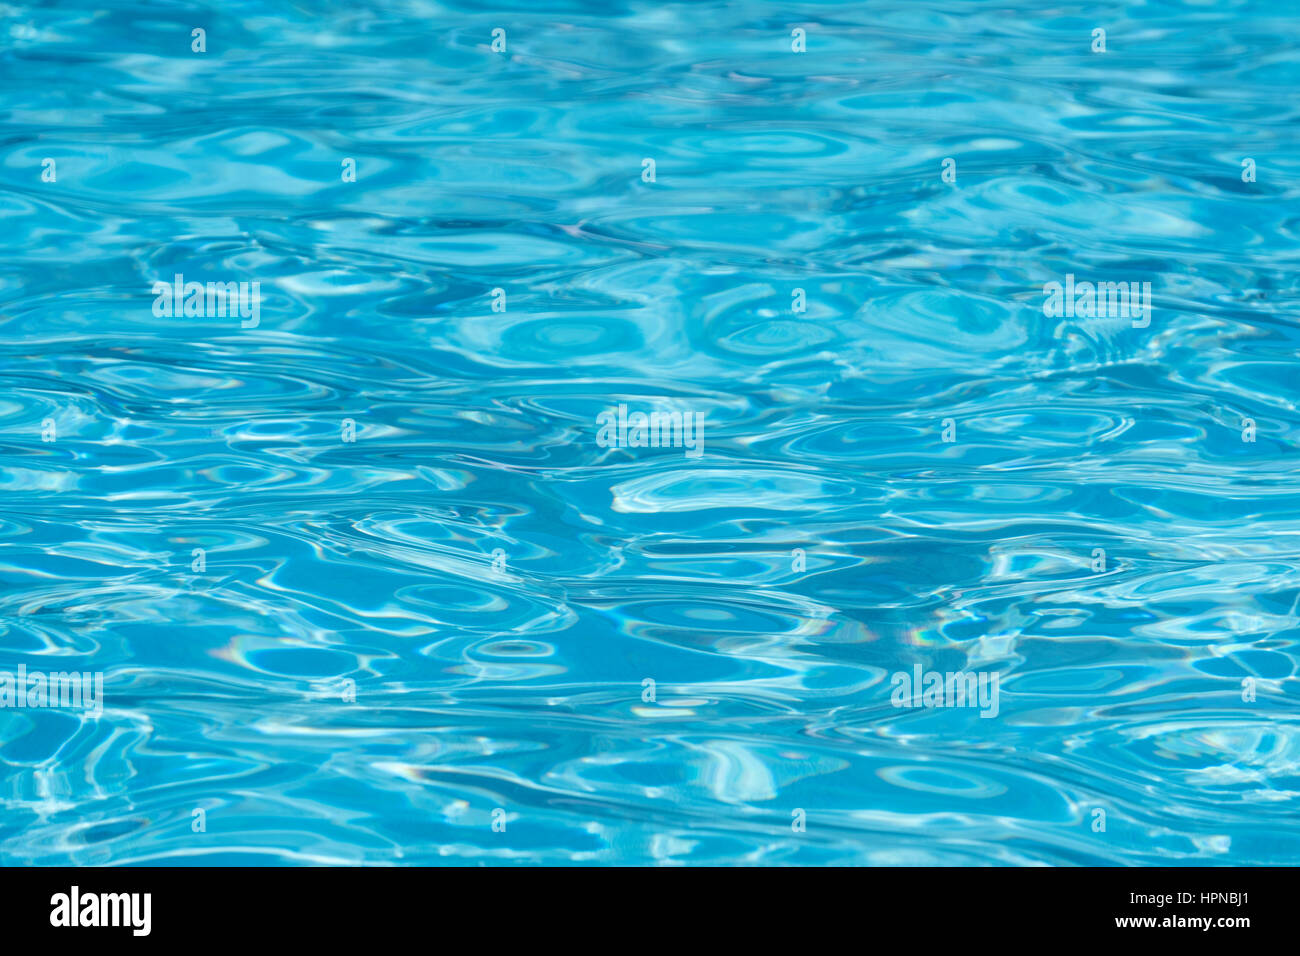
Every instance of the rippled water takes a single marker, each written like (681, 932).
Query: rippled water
(496, 587)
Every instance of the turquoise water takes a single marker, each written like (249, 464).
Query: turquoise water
(379, 643)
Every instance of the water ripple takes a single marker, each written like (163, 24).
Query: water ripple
(365, 585)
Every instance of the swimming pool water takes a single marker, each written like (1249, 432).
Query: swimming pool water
(378, 563)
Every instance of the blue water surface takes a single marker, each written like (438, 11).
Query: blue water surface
(477, 633)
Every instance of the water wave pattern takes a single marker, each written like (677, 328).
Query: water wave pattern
(482, 632)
